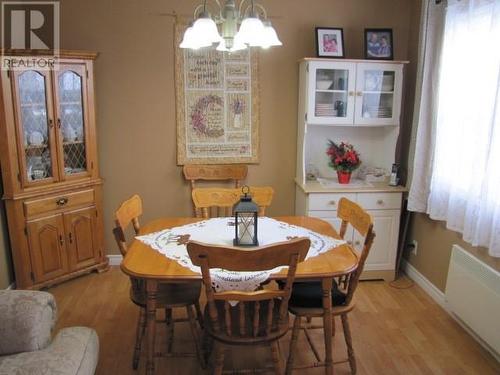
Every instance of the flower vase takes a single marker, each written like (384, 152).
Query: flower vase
(344, 177)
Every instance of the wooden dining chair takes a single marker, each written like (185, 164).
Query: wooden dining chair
(307, 298)
(259, 317)
(219, 202)
(222, 174)
(169, 296)
(230, 173)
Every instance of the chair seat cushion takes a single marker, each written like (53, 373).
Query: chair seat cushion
(173, 295)
(244, 334)
(310, 294)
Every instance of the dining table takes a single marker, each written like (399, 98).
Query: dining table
(144, 262)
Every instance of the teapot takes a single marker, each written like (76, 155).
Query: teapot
(36, 138)
(69, 134)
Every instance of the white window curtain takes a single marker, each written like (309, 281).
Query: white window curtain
(464, 188)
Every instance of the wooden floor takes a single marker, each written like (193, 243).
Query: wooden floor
(395, 331)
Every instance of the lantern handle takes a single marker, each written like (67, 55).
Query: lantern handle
(245, 189)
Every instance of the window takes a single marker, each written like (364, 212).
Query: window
(465, 181)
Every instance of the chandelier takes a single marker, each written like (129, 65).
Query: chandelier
(255, 30)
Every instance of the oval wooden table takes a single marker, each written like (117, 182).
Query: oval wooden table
(144, 262)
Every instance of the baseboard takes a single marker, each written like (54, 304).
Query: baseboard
(437, 295)
(440, 298)
(115, 260)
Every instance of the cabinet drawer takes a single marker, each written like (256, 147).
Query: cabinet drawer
(380, 201)
(329, 201)
(57, 202)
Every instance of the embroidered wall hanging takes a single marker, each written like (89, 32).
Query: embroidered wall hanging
(217, 101)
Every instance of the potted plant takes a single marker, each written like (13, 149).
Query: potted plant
(344, 159)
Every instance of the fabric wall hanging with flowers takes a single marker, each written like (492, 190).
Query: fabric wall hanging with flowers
(217, 105)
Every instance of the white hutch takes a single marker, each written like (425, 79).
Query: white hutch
(356, 101)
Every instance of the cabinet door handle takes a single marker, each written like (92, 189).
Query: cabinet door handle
(62, 202)
(359, 93)
(349, 242)
(70, 237)
(59, 123)
(332, 203)
(51, 123)
(357, 243)
(351, 93)
(380, 202)
(61, 240)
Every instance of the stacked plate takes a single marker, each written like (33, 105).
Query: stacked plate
(325, 109)
(377, 112)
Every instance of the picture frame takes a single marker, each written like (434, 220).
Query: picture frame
(379, 44)
(330, 42)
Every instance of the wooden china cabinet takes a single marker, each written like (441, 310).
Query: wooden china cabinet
(51, 183)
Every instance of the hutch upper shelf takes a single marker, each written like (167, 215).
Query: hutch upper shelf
(352, 92)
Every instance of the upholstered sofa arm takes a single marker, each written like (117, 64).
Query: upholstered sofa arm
(26, 320)
(74, 351)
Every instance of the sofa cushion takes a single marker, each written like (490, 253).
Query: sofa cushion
(26, 320)
(74, 351)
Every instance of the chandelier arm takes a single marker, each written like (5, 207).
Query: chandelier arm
(220, 10)
(196, 11)
(252, 7)
(241, 7)
(204, 7)
(264, 12)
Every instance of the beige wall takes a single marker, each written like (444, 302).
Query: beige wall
(434, 249)
(136, 103)
(135, 90)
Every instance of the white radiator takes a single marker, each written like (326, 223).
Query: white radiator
(473, 295)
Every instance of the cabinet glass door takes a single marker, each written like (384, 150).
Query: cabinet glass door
(378, 94)
(331, 93)
(72, 119)
(33, 102)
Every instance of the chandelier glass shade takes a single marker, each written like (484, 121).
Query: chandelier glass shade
(252, 31)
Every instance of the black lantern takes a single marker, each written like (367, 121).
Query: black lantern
(246, 213)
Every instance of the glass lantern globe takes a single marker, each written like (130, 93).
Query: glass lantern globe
(246, 214)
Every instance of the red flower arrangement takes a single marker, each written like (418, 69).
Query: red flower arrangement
(343, 158)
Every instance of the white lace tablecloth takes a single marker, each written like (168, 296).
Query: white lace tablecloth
(220, 231)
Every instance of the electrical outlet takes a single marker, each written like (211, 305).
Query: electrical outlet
(414, 247)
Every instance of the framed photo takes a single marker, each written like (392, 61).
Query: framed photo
(379, 44)
(329, 42)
